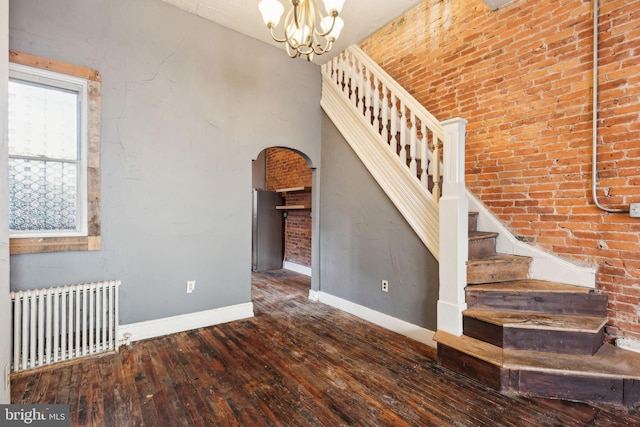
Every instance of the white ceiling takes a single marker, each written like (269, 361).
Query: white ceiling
(361, 18)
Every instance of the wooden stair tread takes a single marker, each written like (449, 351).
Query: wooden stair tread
(480, 349)
(525, 320)
(608, 361)
(478, 235)
(530, 285)
(499, 258)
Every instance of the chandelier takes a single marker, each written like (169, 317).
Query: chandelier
(306, 31)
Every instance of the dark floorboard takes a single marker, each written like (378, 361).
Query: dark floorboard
(296, 363)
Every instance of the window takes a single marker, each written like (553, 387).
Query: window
(53, 139)
(47, 145)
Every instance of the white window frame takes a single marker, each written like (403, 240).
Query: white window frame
(80, 86)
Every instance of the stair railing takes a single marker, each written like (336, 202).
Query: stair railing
(403, 125)
(432, 152)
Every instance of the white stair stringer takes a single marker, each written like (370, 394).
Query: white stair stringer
(403, 189)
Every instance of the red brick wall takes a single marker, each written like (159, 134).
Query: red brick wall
(287, 169)
(522, 77)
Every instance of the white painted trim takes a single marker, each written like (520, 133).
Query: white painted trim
(298, 268)
(454, 229)
(314, 295)
(404, 190)
(545, 266)
(401, 327)
(184, 322)
(450, 317)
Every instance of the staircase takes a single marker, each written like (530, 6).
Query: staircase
(533, 337)
(504, 329)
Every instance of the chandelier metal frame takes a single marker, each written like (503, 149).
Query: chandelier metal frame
(304, 26)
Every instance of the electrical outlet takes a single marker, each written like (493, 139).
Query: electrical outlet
(191, 286)
(385, 286)
(634, 210)
(7, 377)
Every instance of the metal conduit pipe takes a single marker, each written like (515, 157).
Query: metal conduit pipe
(594, 169)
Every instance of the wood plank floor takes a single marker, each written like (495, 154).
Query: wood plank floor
(296, 363)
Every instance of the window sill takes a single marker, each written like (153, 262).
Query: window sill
(53, 244)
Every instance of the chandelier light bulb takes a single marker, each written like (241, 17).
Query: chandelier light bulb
(332, 33)
(271, 11)
(298, 35)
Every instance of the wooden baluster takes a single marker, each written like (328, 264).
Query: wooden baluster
(376, 105)
(424, 157)
(403, 134)
(361, 83)
(352, 81)
(341, 72)
(393, 142)
(413, 141)
(436, 169)
(385, 115)
(367, 96)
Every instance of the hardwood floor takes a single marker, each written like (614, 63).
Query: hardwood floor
(296, 363)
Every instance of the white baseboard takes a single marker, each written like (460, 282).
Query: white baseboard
(184, 322)
(401, 327)
(314, 295)
(298, 268)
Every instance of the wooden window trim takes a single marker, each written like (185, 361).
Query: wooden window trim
(93, 241)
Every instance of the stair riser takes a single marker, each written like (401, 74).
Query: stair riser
(497, 272)
(480, 248)
(552, 385)
(473, 221)
(571, 387)
(504, 371)
(477, 369)
(551, 303)
(550, 341)
(631, 393)
(482, 331)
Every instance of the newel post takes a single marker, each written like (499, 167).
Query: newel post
(454, 243)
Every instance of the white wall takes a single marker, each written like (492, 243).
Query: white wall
(186, 106)
(5, 301)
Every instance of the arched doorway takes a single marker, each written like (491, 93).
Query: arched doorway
(282, 226)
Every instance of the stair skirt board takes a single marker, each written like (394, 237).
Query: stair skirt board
(411, 199)
(544, 266)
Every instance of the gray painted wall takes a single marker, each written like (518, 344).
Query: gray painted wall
(5, 299)
(186, 106)
(364, 239)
